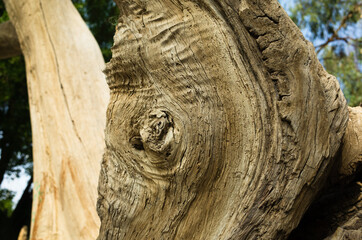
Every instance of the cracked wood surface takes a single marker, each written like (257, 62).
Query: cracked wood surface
(67, 97)
(222, 124)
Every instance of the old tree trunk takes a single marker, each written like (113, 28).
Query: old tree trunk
(222, 124)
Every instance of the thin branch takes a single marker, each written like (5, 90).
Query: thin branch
(335, 36)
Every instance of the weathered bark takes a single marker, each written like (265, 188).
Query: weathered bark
(222, 124)
(9, 43)
(67, 97)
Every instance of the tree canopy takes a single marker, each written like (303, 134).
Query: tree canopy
(101, 17)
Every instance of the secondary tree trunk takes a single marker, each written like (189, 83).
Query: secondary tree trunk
(67, 97)
(222, 124)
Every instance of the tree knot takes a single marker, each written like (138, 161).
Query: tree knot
(157, 131)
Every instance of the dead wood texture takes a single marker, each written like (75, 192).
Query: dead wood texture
(9, 44)
(222, 124)
(67, 97)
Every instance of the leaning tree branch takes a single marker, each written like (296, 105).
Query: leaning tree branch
(9, 43)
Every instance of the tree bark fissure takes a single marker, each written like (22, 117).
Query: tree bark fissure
(59, 78)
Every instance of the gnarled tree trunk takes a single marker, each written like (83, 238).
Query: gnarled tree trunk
(222, 124)
(67, 97)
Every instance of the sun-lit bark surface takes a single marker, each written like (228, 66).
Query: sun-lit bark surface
(67, 97)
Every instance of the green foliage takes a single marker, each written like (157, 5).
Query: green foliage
(15, 129)
(344, 67)
(322, 17)
(100, 16)
(334, 26)
(3, 14)
(6, 203)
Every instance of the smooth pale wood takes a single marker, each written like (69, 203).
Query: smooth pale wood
(67, 97)
(23, 235)
(222, 124)
(9, 43)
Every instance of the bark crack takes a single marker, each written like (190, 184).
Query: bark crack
(59, 77)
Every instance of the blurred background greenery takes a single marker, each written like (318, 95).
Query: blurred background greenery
(333, 26)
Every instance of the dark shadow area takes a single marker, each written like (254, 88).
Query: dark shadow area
(11, 226)
(333, 209)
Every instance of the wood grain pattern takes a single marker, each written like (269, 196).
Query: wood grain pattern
(222, 124)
